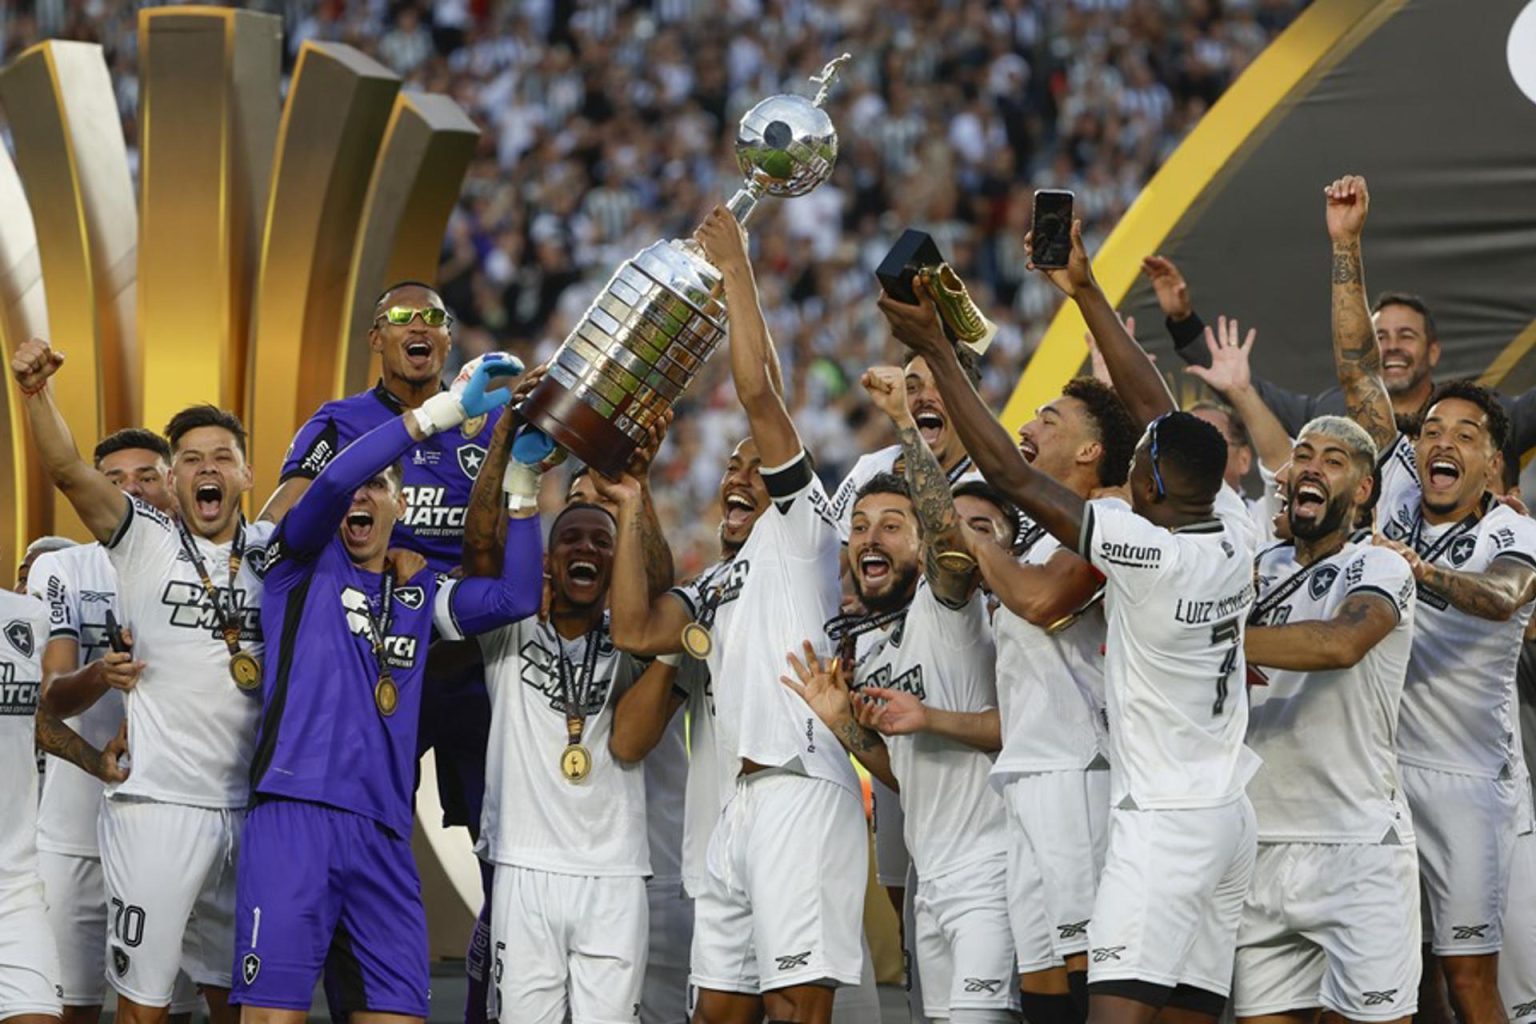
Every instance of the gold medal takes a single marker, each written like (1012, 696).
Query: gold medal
(955, 561)
(386, 695)
(575, 762)
(245, 670)
(697, 641)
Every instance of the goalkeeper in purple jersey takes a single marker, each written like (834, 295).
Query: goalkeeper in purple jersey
(326, 865)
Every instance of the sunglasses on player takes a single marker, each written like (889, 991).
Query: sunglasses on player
(1157, 472)
(432, 316)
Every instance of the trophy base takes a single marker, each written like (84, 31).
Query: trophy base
(578, 428)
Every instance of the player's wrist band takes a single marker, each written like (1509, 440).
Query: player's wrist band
(441, 412)
(520, 483)
(670, 659)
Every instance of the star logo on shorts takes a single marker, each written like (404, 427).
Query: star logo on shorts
(119, 961)
(991, 986)
(1461, 932)
(789, 963)
(250, 966)
(1073, 929)
(1107, 953)
(1524, 1009)
(1378, 998)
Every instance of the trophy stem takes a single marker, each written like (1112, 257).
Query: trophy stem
(744, 202)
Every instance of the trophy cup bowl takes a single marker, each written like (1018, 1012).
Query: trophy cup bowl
(662, 313)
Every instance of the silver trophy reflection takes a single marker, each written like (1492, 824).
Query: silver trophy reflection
(662, 314)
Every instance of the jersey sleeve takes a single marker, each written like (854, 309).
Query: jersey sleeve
(1383, 572)
(1399, 477)
(50, 582)
(1131, 552)
(1514, 539)
(691, 593)
(801, 503)
(145, 537)
(313, 447)
(842, 500)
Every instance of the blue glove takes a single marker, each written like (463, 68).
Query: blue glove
(531, 446)
(494, 366)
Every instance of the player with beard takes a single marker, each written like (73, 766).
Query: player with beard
(923, 663)
(326, 876)
(1179, 585)
(769, 936)
(82, 680)
(29, 969)
(190, 589)
(1475, 562)
(1332, 920)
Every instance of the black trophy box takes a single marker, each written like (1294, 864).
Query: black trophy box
(913, 251)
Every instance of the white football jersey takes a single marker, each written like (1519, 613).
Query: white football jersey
(79, 587)
(23, 632)
(711, 772)
(778, 592)
(1328, 739)
(1174, 670)
(1050, 687)
(666, 783)
(867, 468)
(944, 657)
(1458, 711)
(533, 816)
(191, 730)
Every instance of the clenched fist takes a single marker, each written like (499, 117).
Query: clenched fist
(34, 362)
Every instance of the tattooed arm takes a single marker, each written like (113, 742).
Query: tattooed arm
(1496, 593)
(58, 739)
(824, 688)
(1362, 622)
(1356, 356)
(929, 484)
(659, 573)
(485, 520)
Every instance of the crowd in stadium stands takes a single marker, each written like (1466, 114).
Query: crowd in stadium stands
(607, 124)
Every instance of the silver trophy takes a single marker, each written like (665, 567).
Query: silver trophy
(662, 314)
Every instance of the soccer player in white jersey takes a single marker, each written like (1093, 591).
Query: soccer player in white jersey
(923, 649)
(82, 678)
(564, 819)
(1179, 586)
(1475, 563)
(1053, 769)
(1332, 920)
(769, 936)
(189, 587)
(29, 967)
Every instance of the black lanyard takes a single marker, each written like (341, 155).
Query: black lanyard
(574, 694)
(378, 628)
(1441, 545)
(1282, 593)
(229, 622)
(961, 468)
(710, 595)
(845, 630)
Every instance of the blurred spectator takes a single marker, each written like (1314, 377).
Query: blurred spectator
(608, 124)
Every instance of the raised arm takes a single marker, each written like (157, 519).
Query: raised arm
(988, 443)
(98, 501)
(485, 520)
(1229, 373)
(1362, 622)
(1133, 374)
(479, 604)
(643, 623)
(640, 717)
(931, 497)
(1356, 356)
(754, 364)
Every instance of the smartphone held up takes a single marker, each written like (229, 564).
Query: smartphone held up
(1051, 228)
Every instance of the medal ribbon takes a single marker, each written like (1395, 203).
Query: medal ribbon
(1281, 593)
(844, 631)
(711, 595)
(229, 622)
(573, 695)
(378, 628)
(1440, 546)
